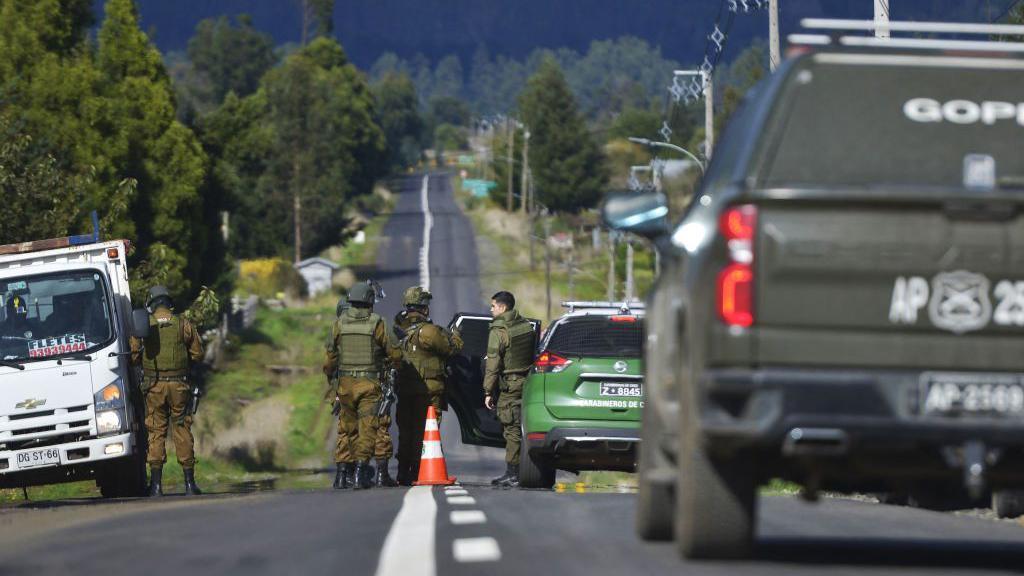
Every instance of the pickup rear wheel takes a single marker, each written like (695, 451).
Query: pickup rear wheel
(1008, 503)
(655, 498)
(716, 500)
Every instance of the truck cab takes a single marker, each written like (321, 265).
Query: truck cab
(70, 408)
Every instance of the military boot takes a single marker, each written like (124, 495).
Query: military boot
(190, 483)
(363, 478)
(383, 478)
(155, 481)
(349, 479)
(341, 478)
(504, 477)
(513, 477)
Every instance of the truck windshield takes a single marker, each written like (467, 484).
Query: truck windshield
(49, 315)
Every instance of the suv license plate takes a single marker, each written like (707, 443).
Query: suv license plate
(957, 394)
(630, 389)
(42, 457)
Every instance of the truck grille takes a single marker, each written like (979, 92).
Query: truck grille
(46, 428)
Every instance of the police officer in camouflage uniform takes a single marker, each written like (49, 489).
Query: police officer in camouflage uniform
(510, 345)
(425, 348)
(356, 354)
(166, 355)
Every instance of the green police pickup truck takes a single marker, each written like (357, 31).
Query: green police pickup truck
(842, 303)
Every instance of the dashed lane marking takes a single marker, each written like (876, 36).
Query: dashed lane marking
(461, 500)
(484, 549)
(456, 493)
(409, 547)
(463, 517)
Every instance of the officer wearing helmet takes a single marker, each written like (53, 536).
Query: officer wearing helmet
(356, 354)
(166, 355)
(425, 348)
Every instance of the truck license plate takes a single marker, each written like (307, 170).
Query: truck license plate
(42, 457)
(631, 389)
(956, 393)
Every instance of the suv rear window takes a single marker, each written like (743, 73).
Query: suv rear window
(861, 120)
(598, 336)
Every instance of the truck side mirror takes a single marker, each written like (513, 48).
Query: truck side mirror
(642, 213)
(140, 323)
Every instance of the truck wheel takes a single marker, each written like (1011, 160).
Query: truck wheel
(655, 498)
(125, 479)
(1008, 503)
(533, 472)
(716, 500)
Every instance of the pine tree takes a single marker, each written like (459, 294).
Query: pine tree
(566, 163)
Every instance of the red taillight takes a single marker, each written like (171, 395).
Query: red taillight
(536, 436)
(735, 294)
(550, 362)
(622, 318)
(739, 222)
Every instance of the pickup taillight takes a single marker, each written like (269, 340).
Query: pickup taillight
(735, 288)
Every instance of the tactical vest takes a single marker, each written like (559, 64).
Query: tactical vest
(358, 351)
(428, 365)
(519, 355)
(165, 352)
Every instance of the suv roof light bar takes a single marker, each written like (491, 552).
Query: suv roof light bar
(896, 26)
(587, 304)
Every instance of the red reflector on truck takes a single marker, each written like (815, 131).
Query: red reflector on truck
(536, 436)
(739, 222)
(735, 295)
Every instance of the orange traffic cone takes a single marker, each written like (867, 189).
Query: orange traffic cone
(433, 470)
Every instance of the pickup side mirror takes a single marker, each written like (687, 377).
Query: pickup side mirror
(641, 213)
(140, 323)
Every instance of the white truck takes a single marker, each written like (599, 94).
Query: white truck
(70, 408)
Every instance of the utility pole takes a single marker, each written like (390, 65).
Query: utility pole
(547, 265)
(629, 270)
(509, 165)
(297, 206)
(611, 266)
(572, 264)
(526, 171)
(773, 34)
(881, 18)
(709, 115)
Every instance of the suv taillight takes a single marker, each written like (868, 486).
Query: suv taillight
(735, 288)
(550, 362)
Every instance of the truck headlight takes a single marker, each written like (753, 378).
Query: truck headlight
(110, 397)
(108, 421)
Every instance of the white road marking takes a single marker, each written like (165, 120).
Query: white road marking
(476, 550)
(409, 547)
(456, 493)
(462, 517)
(461, 500)
(428, 225)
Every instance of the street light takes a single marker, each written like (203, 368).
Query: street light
(655, 144)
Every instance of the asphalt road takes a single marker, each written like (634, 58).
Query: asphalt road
(470, 529)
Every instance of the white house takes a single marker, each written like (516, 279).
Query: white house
(317, 273)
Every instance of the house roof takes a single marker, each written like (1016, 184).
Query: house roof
(316, 261)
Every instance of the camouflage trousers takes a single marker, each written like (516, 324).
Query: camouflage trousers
(166, 403)
(383, 448)
(412, 417)
(510, 414)
(357, 423)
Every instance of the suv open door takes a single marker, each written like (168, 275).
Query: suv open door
(464, 389)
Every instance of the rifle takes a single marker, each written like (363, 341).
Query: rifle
(387, 398)
(196, 378)
(332, 394)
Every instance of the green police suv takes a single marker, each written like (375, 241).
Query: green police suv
(582, 400)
